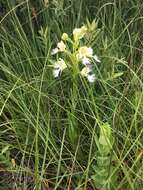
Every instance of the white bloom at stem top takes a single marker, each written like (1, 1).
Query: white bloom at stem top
(78, 33)
(82, 54)
(59, 66)
(85, 72)
(61, 47)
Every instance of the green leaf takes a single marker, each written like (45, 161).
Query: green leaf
(116, 75)
(5, 149)
(105, 134)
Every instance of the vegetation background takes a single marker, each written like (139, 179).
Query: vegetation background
(35, 149)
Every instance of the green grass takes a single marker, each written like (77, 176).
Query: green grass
(36, 110)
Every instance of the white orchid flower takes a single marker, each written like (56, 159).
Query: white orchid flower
(91, 78)
(78, 33)
(61, 47)
(85, 72)
(85, 52)
(59, 66)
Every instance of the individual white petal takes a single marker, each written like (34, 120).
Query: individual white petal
(96, 58)
(91, 78)
(90, 52)
(86, 61)
(56, 72)
(54, 51)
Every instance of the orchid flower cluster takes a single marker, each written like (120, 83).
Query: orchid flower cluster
(81, 54)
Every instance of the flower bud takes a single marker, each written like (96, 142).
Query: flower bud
(65, 36)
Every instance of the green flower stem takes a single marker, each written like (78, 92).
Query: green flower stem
(73, 126)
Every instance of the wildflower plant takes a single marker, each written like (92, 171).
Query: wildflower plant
(81, 56)
(76, 58)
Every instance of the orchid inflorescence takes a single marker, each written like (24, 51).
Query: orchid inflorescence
(80, 55)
